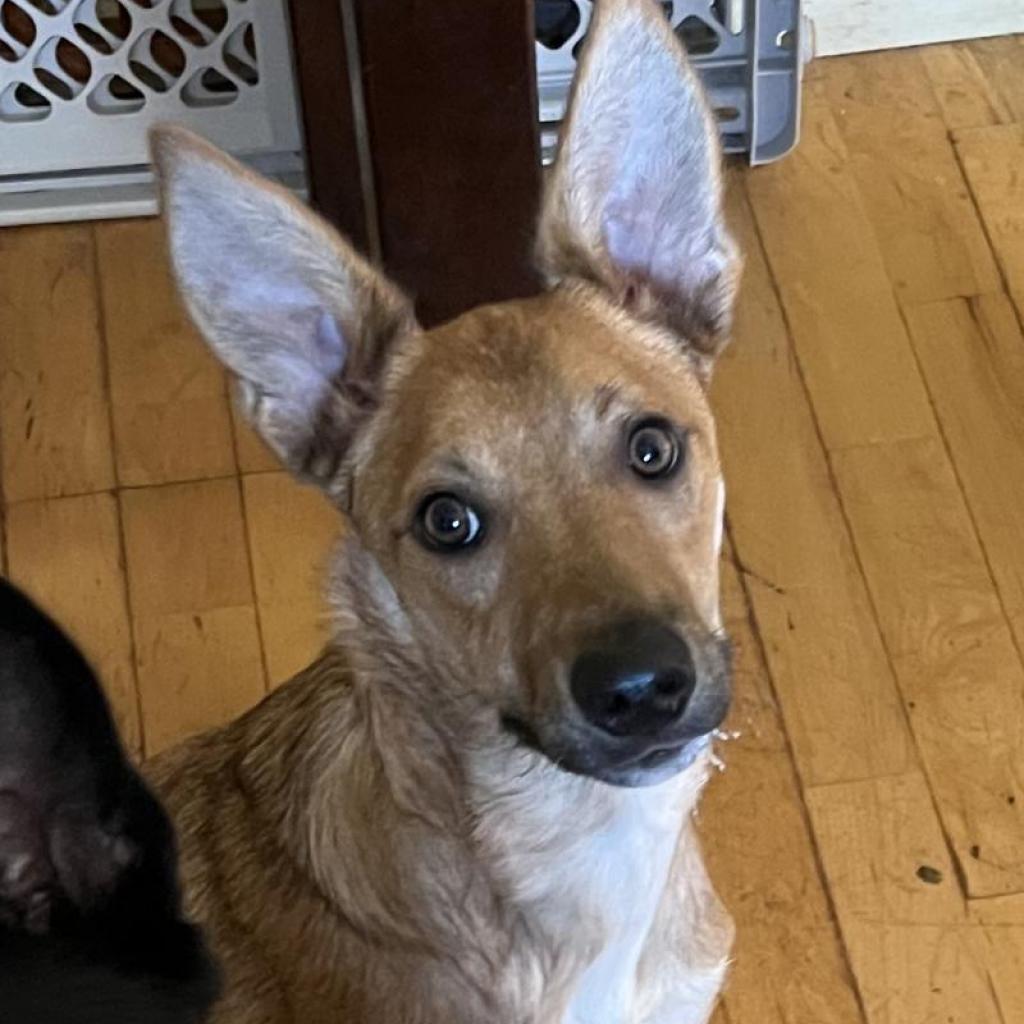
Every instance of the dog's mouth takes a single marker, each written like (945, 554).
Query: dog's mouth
(643, 755)
(641, 766)
(522, 731)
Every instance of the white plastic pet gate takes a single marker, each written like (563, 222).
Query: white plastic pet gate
(81, 80)
(749, 54)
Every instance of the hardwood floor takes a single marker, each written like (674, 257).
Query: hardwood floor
(868, 831)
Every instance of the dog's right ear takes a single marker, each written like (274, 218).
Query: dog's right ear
(295, 313)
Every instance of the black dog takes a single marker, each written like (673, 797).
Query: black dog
(91, 926)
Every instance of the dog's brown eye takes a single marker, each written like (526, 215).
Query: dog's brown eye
(653, 449)
(446, 523)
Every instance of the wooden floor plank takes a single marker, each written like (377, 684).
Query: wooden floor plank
(167, 393)
(992, 160)
(997, 910)
(1000, 945)
(197, 642)
(836, 293)
(1001, 58)
(964, 93)
(959, 771)
(291, 531)
(902, 916)
(54, 424)
(253, 455)
(972, 355)
(839, 699)
(1001, 949)
(898, 945)
(955, 659)
(908, 176)
(67, 553)
(788, 963)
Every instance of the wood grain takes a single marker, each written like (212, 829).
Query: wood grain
(997, 910)
(992, 160)
(838, 695)
(837, 297)
(197, 642)
(54, 422)
(1001, 58)
(972, 356)
(788, 964)
(899, 907)
(291, 532)
(66, 552)
(1001, 949)
(167, 393)
(955, 659)
(908, 177)
(966, 97)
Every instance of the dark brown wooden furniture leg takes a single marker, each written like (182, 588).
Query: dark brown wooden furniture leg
(332, 150)
(451, 114)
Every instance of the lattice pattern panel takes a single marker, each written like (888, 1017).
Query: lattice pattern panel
(750, 55)
(81, 80)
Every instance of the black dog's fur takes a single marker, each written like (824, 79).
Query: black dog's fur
(91, 927)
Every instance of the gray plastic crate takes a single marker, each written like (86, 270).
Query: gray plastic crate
(750, 55)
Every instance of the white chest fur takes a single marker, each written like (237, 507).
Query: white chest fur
(622, 872)
(628, 872)
(592, 862)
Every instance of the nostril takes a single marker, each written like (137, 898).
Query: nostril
(637, 682)
(618, 704)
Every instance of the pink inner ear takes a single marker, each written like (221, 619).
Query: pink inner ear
(631, 230)
(330, 345)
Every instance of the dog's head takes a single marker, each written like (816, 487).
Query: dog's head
(534, 488)
(91, 927)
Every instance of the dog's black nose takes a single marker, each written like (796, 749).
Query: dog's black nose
(636, 680)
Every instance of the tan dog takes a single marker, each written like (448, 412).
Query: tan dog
(475, 807)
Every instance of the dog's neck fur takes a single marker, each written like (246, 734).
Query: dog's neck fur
(559, 871)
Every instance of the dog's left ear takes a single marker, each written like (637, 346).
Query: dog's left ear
(634, 201)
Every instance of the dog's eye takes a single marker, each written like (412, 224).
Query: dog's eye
(654, 449)
(446, 523)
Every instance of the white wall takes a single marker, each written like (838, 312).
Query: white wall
(848, 26)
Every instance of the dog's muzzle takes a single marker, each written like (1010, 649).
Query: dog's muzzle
(643, 701)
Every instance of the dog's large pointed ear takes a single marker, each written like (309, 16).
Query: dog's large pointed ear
(294, 312)
(634, 199)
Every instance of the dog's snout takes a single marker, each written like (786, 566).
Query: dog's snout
(635, 680)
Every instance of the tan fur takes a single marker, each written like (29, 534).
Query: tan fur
(371, 845)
